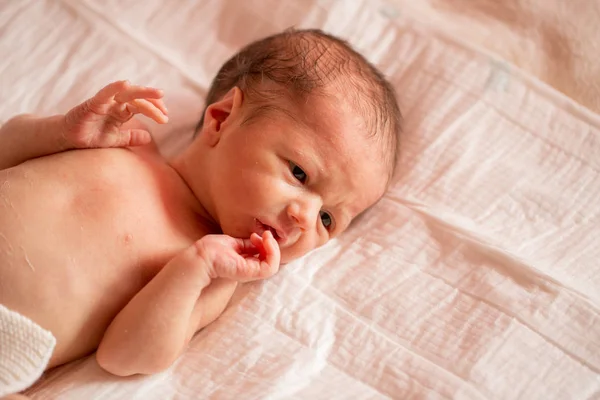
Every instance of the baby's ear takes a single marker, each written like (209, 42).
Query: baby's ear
(219, 113)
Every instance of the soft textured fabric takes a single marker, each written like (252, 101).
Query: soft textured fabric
(556, 40)
(475, 277)
(25, 349)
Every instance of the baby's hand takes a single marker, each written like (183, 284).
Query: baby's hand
(97, 121)
(243, 260)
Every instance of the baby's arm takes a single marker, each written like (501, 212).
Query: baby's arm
(25, 137)
(189, 292)
(101, 121)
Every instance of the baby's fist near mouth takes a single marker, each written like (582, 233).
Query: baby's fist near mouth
(242, 260)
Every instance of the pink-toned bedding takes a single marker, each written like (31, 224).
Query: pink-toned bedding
(477, 275)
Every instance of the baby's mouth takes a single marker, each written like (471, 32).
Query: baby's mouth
(261, 228)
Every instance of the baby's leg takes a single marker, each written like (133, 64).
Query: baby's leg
(15, 397)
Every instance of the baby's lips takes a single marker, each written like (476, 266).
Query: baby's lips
(270, 235)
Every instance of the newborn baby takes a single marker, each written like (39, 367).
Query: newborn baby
(122, 251)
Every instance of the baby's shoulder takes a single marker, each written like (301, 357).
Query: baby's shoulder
(118, 163)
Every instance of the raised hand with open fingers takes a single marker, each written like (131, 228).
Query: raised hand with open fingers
(97, 122)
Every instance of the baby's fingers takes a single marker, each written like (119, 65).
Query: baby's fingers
(271, 248)
(245, 247)
(160, 104)
(124, 138)
(108, 92)
(138, 92)
(267, 264)
(133, 137)
(257, 242)
(145, 107)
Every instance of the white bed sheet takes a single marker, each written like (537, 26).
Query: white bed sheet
(477, 275)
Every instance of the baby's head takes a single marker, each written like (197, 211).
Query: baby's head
(299, 136)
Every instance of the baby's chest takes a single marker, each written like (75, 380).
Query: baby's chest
(100, 219)
(132, 221)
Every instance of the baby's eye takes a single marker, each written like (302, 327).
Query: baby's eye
(298, 173)
(325, 219)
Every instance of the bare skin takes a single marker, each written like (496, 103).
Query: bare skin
(92, 216)
(118, 250)
(75, 243)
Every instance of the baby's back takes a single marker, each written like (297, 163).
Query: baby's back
(81, 232)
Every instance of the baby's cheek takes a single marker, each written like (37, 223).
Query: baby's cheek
(306, 244)
(261, 188)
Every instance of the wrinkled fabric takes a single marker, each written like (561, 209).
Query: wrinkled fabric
(475, 277)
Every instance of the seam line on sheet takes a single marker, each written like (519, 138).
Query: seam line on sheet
(304, 345)
(312, 350)
(378, 332)
(539, 275)
(384, 334)
(533, 273)
(494, 108)
(519, 319)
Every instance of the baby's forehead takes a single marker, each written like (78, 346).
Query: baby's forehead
(334, 118)
(320, 109)
(331, 120)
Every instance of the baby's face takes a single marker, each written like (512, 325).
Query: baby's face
(303, 172)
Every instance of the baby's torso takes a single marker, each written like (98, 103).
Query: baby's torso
(82, 232)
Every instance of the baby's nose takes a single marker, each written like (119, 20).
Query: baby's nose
(303, 213)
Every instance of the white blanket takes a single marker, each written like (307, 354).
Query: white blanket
(476, 277)
(25, 349)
